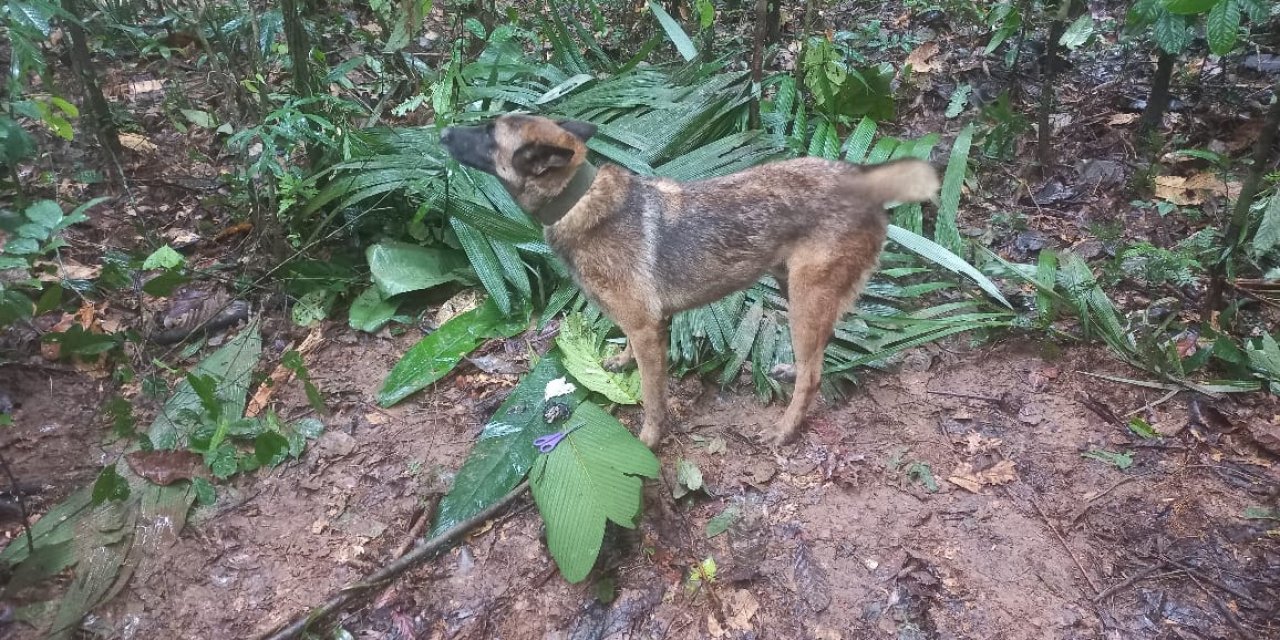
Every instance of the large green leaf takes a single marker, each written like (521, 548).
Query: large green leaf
(399, 267)
(230, 366)
(939, 255)
(1267, 237)
(440, 351)
(947, 232)
(1191, 7)
(504, 451)
(370, 310)
(1171, 32)
(1222, 26)
(583, 358)
(678, 37)
(592, 476)
(1078, 33)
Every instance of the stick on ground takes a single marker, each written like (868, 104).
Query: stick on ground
(392, 571)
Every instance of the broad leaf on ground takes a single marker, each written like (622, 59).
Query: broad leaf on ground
(399, 267)
(583, 358)
(440, 351)
(504, 451)
(370, 310)
(592, 476)
(230, 367)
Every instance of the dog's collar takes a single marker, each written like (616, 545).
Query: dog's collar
(551, 212)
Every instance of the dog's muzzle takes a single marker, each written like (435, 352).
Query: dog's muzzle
(471, 146)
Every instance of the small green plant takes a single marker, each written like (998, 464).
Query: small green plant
(1003, 126)
(34, 234)
(1180, 266)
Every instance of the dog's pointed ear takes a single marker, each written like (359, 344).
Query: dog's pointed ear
(538, 158)
(582, 130)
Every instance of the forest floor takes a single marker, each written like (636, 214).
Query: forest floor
(950, 497)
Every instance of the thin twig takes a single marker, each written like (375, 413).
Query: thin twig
(1061, 540)
(1137, 577)
(22, 504)
(392, 571)
(1087, 505)
(428, 512)
(1222, 607)
(1159, 401)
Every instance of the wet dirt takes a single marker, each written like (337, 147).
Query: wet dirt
(854, 532)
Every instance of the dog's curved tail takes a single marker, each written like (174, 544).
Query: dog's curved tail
(897, 182)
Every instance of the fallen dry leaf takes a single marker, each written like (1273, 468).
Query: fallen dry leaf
(145, 86)
(919, 58)
(1265, 433)
(68, 270)
(375, 418)
(975, 443)
(1120, 119)
(742, 606)
(1173, 189)
(135, 142)
(1190, 190)
(235, 229)
(167, 467)
(462, 302)
(966, 478)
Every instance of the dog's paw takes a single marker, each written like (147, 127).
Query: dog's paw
(783, 373)
(618, 363)
(650, 437)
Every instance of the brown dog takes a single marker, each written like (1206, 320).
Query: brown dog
(645, 248)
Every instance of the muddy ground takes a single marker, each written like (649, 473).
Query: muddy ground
(840, 536)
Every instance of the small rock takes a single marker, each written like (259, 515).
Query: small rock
(335, 444)
(1031, 240)
(1263, 62)
(1088, 249)
(1100, 173)
(1031, 414)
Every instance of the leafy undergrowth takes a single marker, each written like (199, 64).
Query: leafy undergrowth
(134, 510)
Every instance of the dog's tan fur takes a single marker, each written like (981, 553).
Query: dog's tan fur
(645, 248)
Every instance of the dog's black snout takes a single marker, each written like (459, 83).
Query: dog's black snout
(446, 135)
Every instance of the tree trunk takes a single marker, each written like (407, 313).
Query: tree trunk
(774, 21)
(1158, 101)
(99, 111)
(295, 35)
(1240, 213)
(757, 61)
(1044, 150)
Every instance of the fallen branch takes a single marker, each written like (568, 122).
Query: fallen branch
(392, 571)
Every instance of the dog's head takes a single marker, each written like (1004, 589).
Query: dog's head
(534, 157)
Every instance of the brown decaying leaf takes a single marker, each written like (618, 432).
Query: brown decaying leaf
(919, 58)
(966, 478)
(1190, 190)
(167, 467)
(135, 142)
(233, 230)
(1120, 119)
(975, 443)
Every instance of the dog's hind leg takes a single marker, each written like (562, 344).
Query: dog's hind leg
(823, 284)
(646, 338)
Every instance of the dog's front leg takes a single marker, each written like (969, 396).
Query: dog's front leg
(647, 342)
